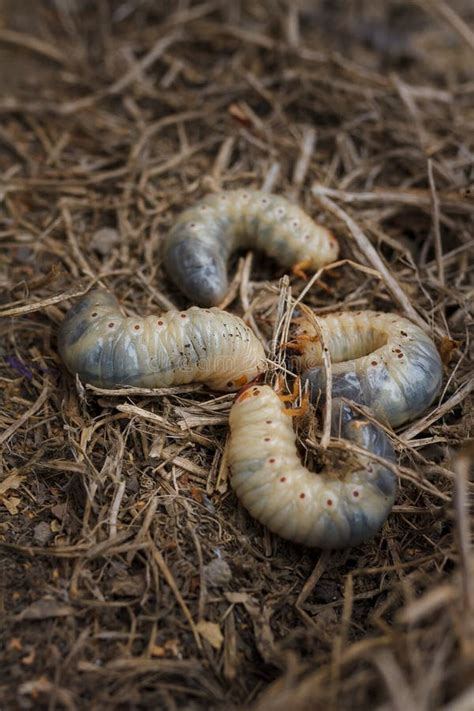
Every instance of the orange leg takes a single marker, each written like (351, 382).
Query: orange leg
(298, 411)
(296, 391)
(294, 394)
(299, 342)
(247, 389)
(298, 269)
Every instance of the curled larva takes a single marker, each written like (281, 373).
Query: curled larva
(108, 349)
(331, 509)
(380, 360)
(198, 246)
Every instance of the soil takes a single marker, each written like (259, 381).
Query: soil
(130, 576)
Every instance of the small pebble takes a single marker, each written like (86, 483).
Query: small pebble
(104, 240)
(217, 573)
(42, 533)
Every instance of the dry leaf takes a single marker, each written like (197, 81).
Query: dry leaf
(447, 348)
(157, 651)
(211, 632)
(42, 609)
(11, 482)
(11, 504)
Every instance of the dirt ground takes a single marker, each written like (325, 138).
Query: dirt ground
(130, 576)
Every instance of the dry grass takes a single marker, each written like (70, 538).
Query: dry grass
(131, 578)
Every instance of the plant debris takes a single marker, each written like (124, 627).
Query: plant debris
(130, 576)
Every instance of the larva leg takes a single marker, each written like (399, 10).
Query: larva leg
(291, 397)
(380, 360)
(299, 269)
(332, 509)
(108, 350)
(298, 411)
(196, 249)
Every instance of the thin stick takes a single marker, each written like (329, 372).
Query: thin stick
(462, 467)
(326, 436)
(114, 509)
(436, 225)
(373, 257)
(308, 144)
(447, 406)
(39, 402)
(40, 305)
(452, 18)
(416, 197)
(160, 561)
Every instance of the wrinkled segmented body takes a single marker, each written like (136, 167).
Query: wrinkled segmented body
(198, 246)
(108, 349)
(331, 509)
(380, 360)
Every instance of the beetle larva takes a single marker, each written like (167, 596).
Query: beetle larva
(108, 349)
(198, 246)
(380, 360)
(332, 509)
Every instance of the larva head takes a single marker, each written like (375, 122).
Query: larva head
(248, 390)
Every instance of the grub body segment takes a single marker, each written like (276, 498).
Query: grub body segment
(198, 246)
(108, 350)
(331, 509)
(380, 360)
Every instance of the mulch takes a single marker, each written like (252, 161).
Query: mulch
(131, 578)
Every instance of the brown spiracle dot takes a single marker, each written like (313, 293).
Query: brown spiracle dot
(94, 314)
(302, 496)
(230, 383)
(404, 333)
(329, 502)
(283, 478)
(307, 238)
(374, 362)
(355, 494)
(137, 327)
(272, 460)
(159, 323)
(111, 324)
(268, 422)
(183, 316)
(400, 355)
(267, 439)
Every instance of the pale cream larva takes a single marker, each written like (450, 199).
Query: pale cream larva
(198, 246)
(380, 360)
(331, 509)
(108, 349)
